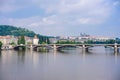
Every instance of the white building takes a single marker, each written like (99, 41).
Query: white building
(35, 40)
(100, 38)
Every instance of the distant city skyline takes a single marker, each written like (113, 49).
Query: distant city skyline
(63, 17)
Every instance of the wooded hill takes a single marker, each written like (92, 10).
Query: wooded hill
(11, 30)
(17, 31)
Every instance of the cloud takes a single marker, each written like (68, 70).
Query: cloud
(95, 10)
(59, 15)
(44, 25)
(116, 3)
(84, 20)
(8, 6)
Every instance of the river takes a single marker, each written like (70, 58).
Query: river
(74, 64)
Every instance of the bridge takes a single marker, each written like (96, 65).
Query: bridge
(56, 47)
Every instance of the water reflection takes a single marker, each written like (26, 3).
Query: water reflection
(21, 56)
(0, 54)
(74, 64)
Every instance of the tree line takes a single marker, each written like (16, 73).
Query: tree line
(110, 41)
(18, 31)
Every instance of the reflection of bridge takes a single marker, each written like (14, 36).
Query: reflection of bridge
(59, 46)
(6, 47)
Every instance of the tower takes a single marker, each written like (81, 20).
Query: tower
(35, 40)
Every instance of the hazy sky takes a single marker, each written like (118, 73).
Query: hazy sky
(63, 17)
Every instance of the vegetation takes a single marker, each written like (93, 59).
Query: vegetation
(94, 42)
(117, 40)
(21, 40)
(17, 31)
(12, 43)
(43, 39)
(11, 30)
(0, 44)
(68, 42)
(110, 41)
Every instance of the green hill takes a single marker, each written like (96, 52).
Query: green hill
(17, 31)
(11, 30)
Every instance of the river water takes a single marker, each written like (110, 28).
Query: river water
(73, 64)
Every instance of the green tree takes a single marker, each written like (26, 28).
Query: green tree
(0, 44)
(12, 43)
(67, 42)
(21, 40)
(47, 40)
(88, 42)
(110, 41)
(12, 30)
(17, 31)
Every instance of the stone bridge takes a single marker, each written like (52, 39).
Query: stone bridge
(56, 47)
(19, 47)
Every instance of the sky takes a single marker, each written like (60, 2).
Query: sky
(63, 17)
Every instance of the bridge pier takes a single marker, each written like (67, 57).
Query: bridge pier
(55, 47)
(31, 47)
(84, 48)
(116, 50)
(37, 49)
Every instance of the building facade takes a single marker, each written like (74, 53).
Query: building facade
(7, 40)
(35, 40)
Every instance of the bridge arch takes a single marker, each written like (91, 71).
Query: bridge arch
(67, 46)
(48, 47)
(20, 47)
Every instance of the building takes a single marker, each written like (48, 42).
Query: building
(28, 40)
(82, 38)
(7, 40)
(100, 38)
(35, 40)
(53, 40)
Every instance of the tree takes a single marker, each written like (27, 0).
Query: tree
(88, 42)
(47, 40)
(110, 41)
(0, 44)
(21, 40)
(12, 43)
(12, 30)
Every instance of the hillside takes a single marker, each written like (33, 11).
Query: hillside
(11, 30)
(17, 31)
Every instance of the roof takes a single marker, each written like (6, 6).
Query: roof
(5, 37)
(35, 37)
